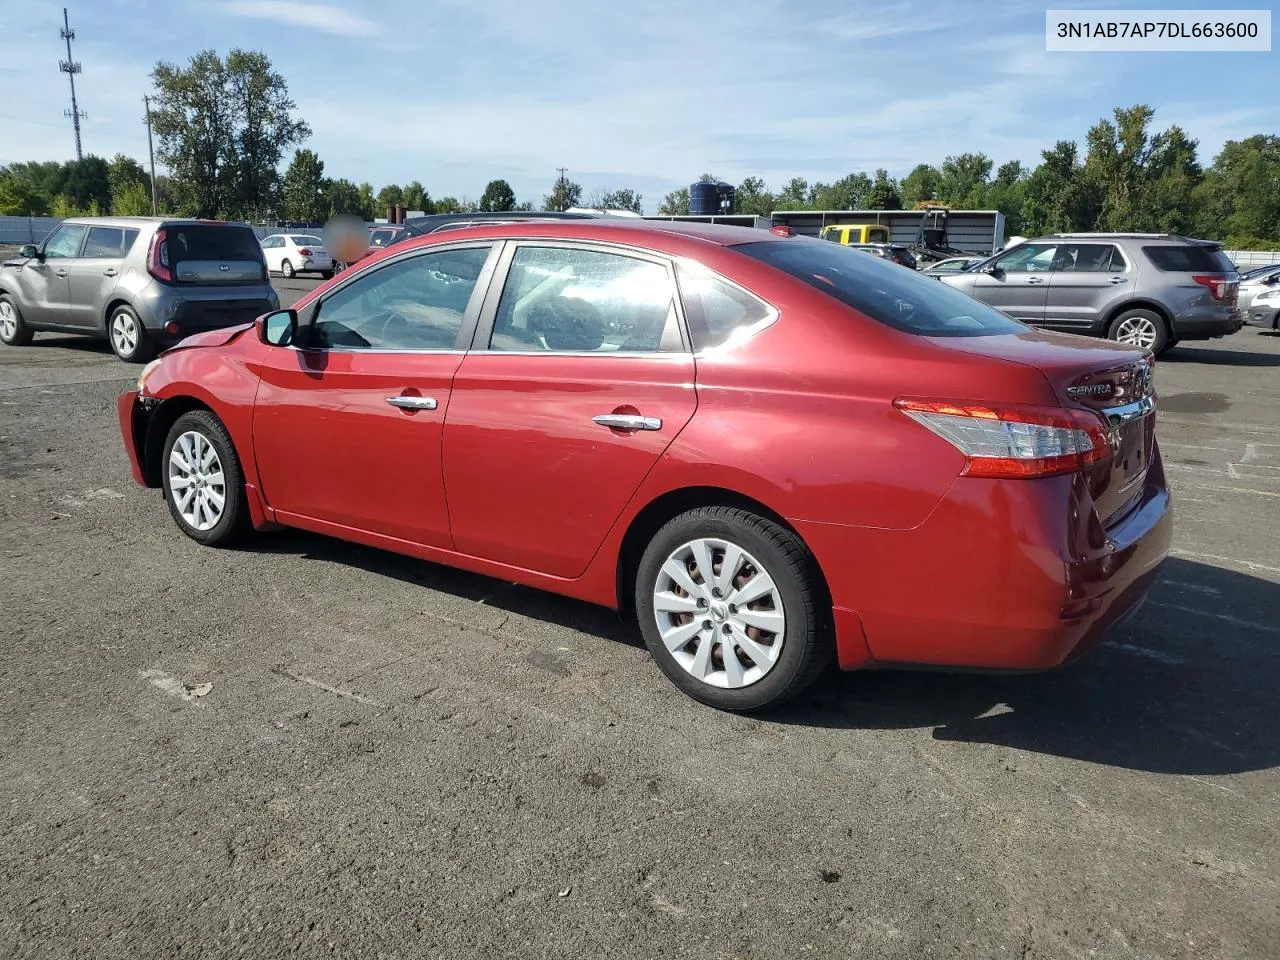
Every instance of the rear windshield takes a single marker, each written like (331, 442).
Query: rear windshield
(307, 240)
(210, 242)
(882, 290)
(1190, 258)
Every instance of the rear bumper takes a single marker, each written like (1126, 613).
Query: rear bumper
(1004, 575)
(1201, 328)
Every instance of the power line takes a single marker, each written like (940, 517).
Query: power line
(71, 67)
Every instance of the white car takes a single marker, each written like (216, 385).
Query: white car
(292, 253)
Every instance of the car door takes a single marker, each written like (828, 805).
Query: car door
(93, 276)
(1087, 280)
(579, 380)
(45, 290)
(347, 424)
(1016, 283)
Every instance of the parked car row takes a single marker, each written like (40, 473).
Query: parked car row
(509, 370)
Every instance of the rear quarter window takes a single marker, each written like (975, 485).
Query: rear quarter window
(715, 309)
(1189, 258)
(882, 290)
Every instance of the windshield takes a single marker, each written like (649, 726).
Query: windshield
(306, 239)
(882, 290)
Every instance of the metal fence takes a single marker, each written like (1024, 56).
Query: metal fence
(1248, 259)
(25, 229)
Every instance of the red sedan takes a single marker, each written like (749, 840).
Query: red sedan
(774, 450)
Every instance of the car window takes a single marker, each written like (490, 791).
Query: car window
(64, 241)
(883, 291)
(307, 241)
(1088, 258)
(1189, 258)
(210, 242)
(417, 303)
(379, 238)
(716, 309)
(1028, 258)
(272, 242)
(832, 235)
(562, 299)
(108, 243)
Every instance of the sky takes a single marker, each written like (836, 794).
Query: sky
(646, 94)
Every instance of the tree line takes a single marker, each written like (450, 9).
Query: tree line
(1129, 177)
(224, 126)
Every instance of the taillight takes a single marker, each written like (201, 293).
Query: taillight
(158, 258)
(304, 252)
(1220, 288)
(1014, 441)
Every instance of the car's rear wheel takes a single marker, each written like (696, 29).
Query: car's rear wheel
(203, 481)
(730, 607)
(1141, 328)
(129, 339)
(286, 269)
(13, 330)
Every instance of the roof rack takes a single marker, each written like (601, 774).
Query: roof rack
(1122, 233)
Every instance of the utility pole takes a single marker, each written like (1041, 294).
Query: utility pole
(564, 201)
(146, 102)
(71, 68)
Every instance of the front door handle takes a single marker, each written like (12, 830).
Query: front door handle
(413, 403)
(1035, 279)
(109, 272)
(60, 273)
(627, 421)
(1115, 280)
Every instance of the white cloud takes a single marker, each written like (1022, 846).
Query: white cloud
(316, 16)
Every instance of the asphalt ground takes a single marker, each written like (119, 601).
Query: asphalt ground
(392, 759)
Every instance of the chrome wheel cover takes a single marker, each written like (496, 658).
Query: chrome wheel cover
(8, 320)
(719, 613)
(124, 333)
(197, 484)
(1138, 331)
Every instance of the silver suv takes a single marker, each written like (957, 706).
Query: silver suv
(1147, 289)
(140, 283)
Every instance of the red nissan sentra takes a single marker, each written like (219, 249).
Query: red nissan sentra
(773, 449)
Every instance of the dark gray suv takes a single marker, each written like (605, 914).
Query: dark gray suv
(1147, 289)
(138, 282)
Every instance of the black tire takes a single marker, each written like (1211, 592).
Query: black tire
(128, 337)
(1171, 344)
(326, 274)
(286, 269)
(1125, 322)
(20, 334)
(234, 521)
(807, 637)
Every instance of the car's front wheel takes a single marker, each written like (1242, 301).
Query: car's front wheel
(730, 606)
(1141, 328)
(12, 329)
(203, 481)
(128, 337)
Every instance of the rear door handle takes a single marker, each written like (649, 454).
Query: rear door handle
(60, 273)
(1035, 279)
(413, 403)
(627, 421)
(1115, 280)
(109, 272)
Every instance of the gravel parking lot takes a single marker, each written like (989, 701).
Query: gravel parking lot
(397, 760)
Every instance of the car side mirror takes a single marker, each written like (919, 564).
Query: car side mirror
(991, 270)
(278, 329)
(29, 250)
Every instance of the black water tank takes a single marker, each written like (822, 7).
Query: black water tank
(724, 198)
(704, 198)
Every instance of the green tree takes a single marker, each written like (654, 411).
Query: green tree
(222, 128)
(367, 200)
(416, 197)
(753, 196)
(85, 182)
(21, 194)
(1057, 197)
(342, 196)
(563, 195)
(389, 196)
(850, 192)
(305, 194)
(963, 180)
(675, 203)
(794, 195)
(1007, 194)
(449, 205)
(498, 195)
(624, 199)
(1240, 195)
(920, 185)
(131, 200)
(884, 194)
(123, 171)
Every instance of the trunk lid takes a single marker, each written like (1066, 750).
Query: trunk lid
(1113, 381)
(214, 253)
